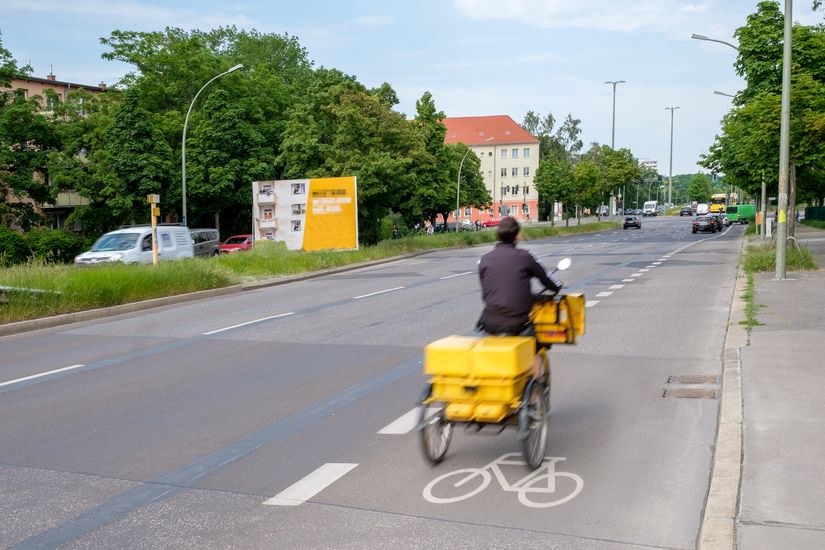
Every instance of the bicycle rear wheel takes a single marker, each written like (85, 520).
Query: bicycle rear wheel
(435, 438)
(535, 414)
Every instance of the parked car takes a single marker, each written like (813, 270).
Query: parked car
(725, 220)
(632, 221)
(490, 223)
(638, 212)
(686, 211)
(717, 219)
(133, 245)
(628, 211)
(236, 243)
(206, 242)
(703, 223)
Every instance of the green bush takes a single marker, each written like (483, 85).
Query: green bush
(762, 257)
(55, 245)
(817, 224)
(13, 248)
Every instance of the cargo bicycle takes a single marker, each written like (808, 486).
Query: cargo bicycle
(486, 381)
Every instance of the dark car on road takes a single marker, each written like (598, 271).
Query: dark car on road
(717, 219)
(686, 211)
(632, 221)
(703, 223)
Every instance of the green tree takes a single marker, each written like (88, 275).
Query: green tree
(699, 188)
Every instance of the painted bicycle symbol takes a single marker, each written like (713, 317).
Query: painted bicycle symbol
(532, 489)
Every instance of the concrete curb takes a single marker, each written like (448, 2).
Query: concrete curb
(100, 313)
(718, 530)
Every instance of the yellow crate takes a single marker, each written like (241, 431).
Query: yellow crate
(450, 356)
(559, 321)
(477, 389)
(460, 411)
(490, 412)
(502, 356)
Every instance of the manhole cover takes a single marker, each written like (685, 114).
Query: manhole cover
(693, 379)
(690, 393)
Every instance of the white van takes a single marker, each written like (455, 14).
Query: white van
(701, 209)
(133, 245)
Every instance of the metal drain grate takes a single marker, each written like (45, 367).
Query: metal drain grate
(692, 392)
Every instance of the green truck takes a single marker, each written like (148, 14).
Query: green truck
(741, 213)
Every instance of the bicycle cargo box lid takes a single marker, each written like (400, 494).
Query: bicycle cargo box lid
(449, 356)
(503, 356)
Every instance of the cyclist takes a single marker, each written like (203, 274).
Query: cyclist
(506, 273)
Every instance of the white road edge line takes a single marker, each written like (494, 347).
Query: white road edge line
(376, 293)
(456, 275)
(33, 376)
(616, 287)
(603, 294)
(405, 423)
(591, 303)
(310, 485)
(248, 323)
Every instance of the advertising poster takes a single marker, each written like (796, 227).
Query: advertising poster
(307, 214)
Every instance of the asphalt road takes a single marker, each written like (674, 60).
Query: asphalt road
(280, 417)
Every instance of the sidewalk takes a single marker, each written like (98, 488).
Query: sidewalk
(782, 494)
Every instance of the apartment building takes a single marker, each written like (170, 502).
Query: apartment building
(29, 87)
(509, 158)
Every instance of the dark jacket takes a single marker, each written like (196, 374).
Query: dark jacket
(505, 275)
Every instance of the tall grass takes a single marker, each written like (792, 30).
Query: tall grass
(817, 224)
(762, 257)
(66, 289)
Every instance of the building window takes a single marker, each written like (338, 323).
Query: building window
(526, 189)
(527, 152)
(515, 153)
(525, 209)
(490, 173)
(22, 93)
(504, 153)
(504, 172)
(515, 189)
(504, 189)
(514, 171)
(489, 210)
(489, 153)
(468, 211)
(526, 171)
(51, 103)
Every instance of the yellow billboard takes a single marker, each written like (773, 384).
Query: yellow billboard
(307, 214)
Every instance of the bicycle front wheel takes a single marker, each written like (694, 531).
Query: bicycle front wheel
(435, 438)
(535, 442)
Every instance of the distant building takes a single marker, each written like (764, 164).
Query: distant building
(508, 164)
(29, 87)
(652, 164)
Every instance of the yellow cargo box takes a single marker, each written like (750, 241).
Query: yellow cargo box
(559, 321)
(490, 412)
(460, 411)
(477, 389)
(502, 356)
(449, 356)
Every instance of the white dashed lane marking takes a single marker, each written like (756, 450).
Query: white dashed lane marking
(591, 303)
(603, 294)
(636, 275)
(405, 423)
(312, 484)
(616, 287)
(628, 280)
(376, 293)
(249, 323)
(33, 376)
(456, 275)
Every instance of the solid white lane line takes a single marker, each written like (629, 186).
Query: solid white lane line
(628, 280)
(616, 287)
(33, 376)
(312, 484)
(603, 294)
(376, 293)
(591, 303)
(456, 275)
(249, 323)
(405, 423)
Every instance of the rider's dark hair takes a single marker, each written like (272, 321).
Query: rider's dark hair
(507, 230)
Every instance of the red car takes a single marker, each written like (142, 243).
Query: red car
(490, 223)
(236, 243)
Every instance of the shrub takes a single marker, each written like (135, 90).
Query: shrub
(13, 248)
(55, 245)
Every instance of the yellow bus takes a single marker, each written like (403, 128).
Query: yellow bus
(718, 202)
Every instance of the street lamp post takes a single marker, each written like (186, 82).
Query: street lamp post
(458, 181)
(670, 177)
(613, 127)
(703, 37)
(183, 141)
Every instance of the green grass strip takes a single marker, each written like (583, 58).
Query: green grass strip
(70, 289)
(750, 306)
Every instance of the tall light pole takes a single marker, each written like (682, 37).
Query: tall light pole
(613, 128)
(458, 181)
(183, 141)
(703, 37)
(670, 177)
(717, 92)
(784, 149)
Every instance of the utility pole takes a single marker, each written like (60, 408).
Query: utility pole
(784, 149)
(670, 178)
(613, 130)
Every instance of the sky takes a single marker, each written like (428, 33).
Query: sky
(476, 57)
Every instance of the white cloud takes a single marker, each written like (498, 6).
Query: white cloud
(137, 13)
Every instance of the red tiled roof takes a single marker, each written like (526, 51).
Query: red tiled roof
(471, 130)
